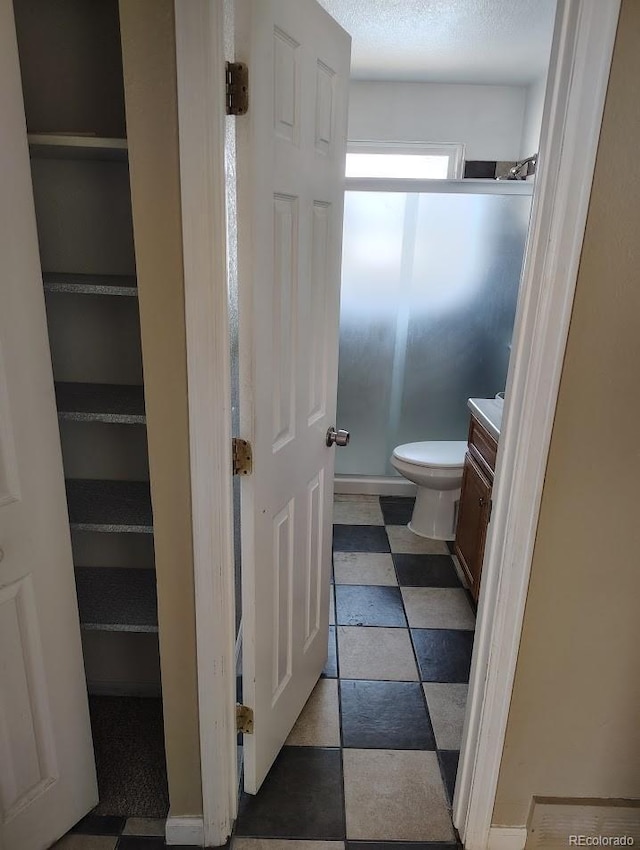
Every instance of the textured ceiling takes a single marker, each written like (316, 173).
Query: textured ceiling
(447, 41)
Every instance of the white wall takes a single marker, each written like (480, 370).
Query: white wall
(487, 119)
(534, 103)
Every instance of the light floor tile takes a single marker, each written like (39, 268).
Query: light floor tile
(332, 607)
(376, 653)
(447, 705)
(319, 722)
(438, 608)
(86, 842)
(239, 843)
(144, 826)
(404, 541)
(395, 795)
(357, 510)
(364, 568)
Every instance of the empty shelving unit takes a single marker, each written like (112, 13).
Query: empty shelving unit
(86, 284)
(120, 405)
(72, 73)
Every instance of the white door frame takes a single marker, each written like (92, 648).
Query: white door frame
(576, 88)
(579, 72)
(201, 127)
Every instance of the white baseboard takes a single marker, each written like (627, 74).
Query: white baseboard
(188, 831)
(460, 572)
(372, 485)
(507, 838)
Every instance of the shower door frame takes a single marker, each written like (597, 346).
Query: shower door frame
(387, 482)
(579, 70)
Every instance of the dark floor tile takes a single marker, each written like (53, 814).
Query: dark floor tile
(360, 538)
(425, 571)
(358, 605)
(396, 510)
(449, 768)
(444, 655)
(99, 825)
(142, 842)
(331, 667)
(401, 845)
(302, 797)
(384, 716)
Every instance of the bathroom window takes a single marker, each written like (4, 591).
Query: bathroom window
(403, 161)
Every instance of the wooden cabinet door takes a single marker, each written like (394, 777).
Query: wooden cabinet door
(473, 518)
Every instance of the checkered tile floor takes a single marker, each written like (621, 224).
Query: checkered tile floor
(97, 832)
(373, 756)
(372, 759)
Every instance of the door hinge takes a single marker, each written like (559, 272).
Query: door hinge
(244, 719)
(490, 511)
(237, 77)
(242, 457)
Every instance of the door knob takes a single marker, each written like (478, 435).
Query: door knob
(340, 437)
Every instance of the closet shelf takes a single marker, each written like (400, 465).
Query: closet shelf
(59, 146)
(111, 403)
(109, 506)
(117, 599)
(90, 284)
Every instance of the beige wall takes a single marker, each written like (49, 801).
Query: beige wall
(573, 727)
(148, 42)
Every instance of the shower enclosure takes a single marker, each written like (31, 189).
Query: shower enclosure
(430, 283)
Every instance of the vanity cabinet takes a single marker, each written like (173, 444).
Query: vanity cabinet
(474, 510)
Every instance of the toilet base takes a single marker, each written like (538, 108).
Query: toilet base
(434, 514)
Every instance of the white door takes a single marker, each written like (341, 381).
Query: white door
(290, 165)
(47, 775)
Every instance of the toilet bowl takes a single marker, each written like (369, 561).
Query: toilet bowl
(436, 467)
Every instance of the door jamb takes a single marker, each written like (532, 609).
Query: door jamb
(200, 73)
(576, 87)
(581, 60)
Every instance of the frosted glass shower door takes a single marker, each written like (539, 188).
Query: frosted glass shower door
(429, 290)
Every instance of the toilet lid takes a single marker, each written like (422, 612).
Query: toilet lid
(444, 453)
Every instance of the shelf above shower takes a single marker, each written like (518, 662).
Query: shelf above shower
(441, 187)
(109, 506)
(110, 403)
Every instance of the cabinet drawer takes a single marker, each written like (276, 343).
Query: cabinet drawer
(482, 445)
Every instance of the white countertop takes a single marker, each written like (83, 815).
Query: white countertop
(489, 412)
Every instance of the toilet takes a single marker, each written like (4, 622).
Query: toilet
(436, 467)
